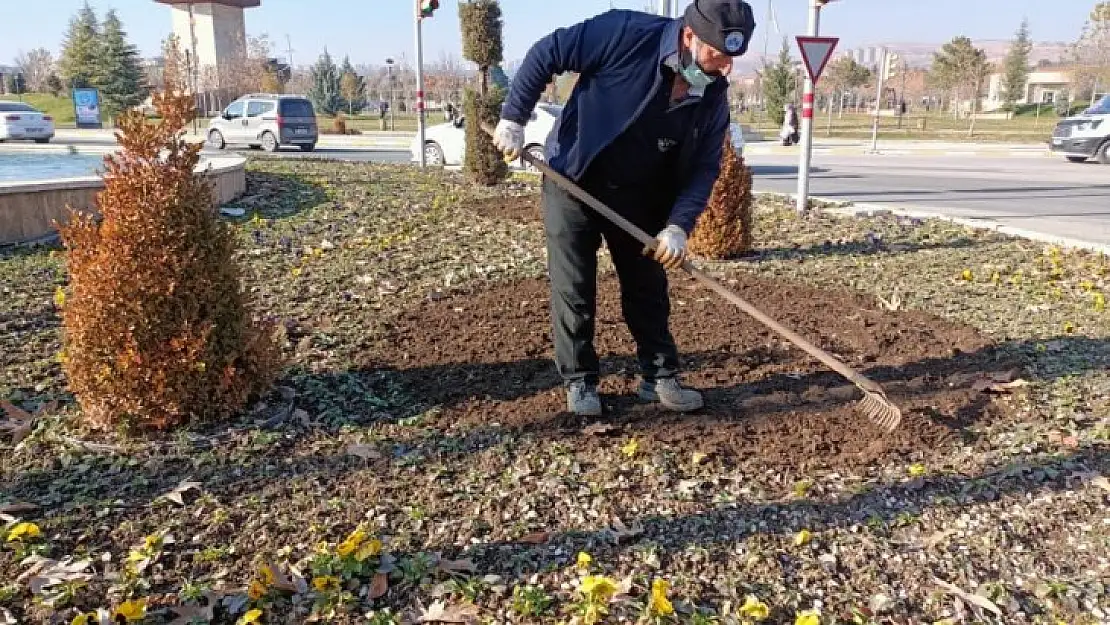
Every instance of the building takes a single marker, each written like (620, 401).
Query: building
(6, 71)
(213, 34)
(1045, 86)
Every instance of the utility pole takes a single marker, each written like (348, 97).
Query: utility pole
(289, 51)
(812, 30)
(420, 83)
(878, 101)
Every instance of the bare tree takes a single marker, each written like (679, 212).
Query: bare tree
(36, 65)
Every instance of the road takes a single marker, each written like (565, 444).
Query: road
(1042, 194)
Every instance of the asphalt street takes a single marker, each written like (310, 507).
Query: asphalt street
(1043, 194)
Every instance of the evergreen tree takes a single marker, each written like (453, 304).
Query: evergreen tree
(1015, 69)
(352, 87)
(81, 49)
(778, 84)
(960, 66)
(119, 72)
(325, 85)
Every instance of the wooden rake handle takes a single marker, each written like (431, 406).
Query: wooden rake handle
(828, 359)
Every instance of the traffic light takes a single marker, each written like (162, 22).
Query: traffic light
(427, 7)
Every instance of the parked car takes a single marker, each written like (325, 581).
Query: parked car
(445, 144)
(19, 120)
(266, 120)
(1086, 135)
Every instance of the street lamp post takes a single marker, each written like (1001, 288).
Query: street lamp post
(389, 79)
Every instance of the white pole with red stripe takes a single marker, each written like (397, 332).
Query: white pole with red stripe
(807, 116)
(420, 85)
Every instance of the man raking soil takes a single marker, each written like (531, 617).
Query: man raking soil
(639, 142)
(643, 132)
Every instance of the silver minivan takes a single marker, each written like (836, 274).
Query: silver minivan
(266, 120)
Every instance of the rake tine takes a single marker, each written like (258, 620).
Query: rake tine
(880, 410)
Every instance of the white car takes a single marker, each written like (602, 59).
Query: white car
(23, 121)
(445, 144)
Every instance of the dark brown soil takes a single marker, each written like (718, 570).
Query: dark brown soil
(485, 357)
(519, 208)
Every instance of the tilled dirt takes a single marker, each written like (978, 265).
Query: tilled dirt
(519, 208)
(485, 358)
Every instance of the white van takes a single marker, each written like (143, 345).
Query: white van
(1086, 135)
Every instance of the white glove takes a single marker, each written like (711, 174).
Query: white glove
(509, 138)
(670, 247)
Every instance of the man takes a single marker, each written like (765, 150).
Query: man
(642, 132)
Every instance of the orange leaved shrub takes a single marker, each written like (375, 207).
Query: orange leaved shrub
(724, 229)
(156, 329)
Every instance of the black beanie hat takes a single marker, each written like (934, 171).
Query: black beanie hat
(727, 25)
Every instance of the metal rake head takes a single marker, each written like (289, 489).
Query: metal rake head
(880, 410)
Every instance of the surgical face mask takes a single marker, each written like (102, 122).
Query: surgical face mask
(692, 72)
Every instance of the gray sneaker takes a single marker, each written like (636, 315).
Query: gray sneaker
(583, 400)
(670, 393)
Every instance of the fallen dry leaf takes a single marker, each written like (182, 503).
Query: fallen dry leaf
(366, 452)
(19, 424)
(1102, 482)
(439, 612)
(187, 613)
(595, 429)
(17, 507)
(455, 566)
(177, 494)
(379, 585)
(45, 572)
(982, 602)
(993, 386)
(535, 538)
(622, 531)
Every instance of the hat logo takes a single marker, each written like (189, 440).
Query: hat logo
(734, 41)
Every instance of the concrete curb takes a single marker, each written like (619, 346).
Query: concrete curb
(851, 209)
(58, 148)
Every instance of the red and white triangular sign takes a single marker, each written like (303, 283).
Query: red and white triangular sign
(816, 52)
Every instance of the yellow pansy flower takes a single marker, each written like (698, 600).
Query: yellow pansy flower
(659, 603)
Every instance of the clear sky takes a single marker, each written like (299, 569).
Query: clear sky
(370, 30)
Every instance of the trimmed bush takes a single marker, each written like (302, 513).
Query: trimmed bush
(481, 35)
(725, 227)
(480, 21)
(156, 330)
(482, 162)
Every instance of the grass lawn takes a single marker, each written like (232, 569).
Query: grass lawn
(58, 107)
(415, 460)
(1023, 128)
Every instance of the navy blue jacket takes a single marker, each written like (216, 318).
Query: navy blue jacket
(618, 55)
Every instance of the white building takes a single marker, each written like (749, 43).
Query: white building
(1044, 87)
